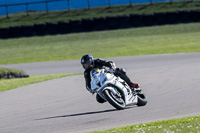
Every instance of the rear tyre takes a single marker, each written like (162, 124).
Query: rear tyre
(142, 100)
(115, 101)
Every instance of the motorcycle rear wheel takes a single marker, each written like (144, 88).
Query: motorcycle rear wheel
(142, 100)
(116, 102)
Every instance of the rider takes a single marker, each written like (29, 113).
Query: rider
(88, 63)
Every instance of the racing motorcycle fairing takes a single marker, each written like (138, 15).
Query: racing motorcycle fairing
(102, 80)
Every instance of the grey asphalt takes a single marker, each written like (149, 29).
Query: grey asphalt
(170, 82)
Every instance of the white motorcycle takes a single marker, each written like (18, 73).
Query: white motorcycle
(115, 90)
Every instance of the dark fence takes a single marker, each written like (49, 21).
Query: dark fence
(103, 23)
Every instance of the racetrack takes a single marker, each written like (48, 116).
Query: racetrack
(170, 82)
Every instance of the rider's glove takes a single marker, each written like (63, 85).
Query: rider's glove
(112, 64)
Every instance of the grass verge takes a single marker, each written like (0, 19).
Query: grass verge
(178, 38)
(186, 125)
(7, 84)
(10, 70)
(95, 12)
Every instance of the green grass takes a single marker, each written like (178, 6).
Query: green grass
(179, 38)
(182, 125)
(10, 70)
(7, 84)
(95, 12)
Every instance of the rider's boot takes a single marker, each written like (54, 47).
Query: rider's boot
(135, 87)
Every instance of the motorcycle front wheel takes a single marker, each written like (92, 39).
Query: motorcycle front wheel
(115, 101)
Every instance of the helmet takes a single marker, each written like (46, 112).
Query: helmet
(87, 61)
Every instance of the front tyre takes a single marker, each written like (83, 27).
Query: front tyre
(115, 101)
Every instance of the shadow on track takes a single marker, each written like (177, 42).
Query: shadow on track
(79, 114)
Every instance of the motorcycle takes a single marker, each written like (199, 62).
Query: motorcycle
(115, 90)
